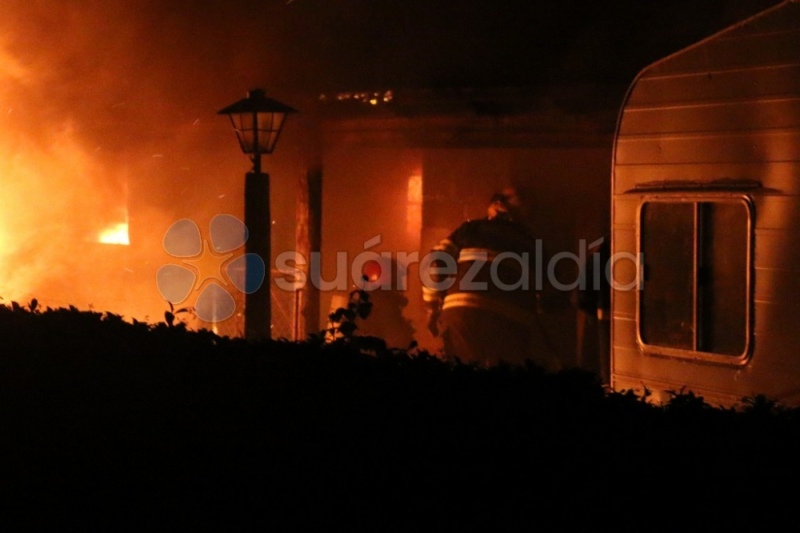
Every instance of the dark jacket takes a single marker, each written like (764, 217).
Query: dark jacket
(496, 263)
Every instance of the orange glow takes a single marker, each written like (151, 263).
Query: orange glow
(209, 267)
(414, 206)
(372, 270)
(116, 234)
(90, 141)
(57, 199)
(373, 98)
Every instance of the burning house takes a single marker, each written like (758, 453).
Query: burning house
(400, 169)
(109, 138)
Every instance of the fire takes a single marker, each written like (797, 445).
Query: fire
(86, 100)
(57, 193)
(116, 234)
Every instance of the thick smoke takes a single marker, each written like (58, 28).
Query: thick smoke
(108, 117)
(108, 109)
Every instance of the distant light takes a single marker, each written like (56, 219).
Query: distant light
(371, 98)
(116, 234)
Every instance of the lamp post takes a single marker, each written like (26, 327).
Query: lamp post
(257, 122)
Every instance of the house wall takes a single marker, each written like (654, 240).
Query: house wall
(365, 194)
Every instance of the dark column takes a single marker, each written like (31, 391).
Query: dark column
(309, 241)
(257, 218)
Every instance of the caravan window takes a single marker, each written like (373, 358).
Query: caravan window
(696, 275)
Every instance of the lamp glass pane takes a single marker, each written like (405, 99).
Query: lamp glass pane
(269, 127)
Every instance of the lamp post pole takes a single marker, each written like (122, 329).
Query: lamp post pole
(258, 219)
(257, 122)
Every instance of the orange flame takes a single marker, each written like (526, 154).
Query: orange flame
(116, 234)
(54, 194)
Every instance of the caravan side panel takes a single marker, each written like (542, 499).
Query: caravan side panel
(706, 196)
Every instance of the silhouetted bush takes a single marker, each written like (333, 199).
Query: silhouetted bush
(134, 425)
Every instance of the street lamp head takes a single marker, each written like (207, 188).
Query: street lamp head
(257, 121)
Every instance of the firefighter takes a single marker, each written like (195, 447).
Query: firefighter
(481, 291)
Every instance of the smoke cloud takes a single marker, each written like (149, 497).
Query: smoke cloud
(108, 112)
(107, 117)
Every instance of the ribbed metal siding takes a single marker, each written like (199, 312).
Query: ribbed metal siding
(727, 108)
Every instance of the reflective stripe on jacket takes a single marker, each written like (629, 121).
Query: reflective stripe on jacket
(494, 269)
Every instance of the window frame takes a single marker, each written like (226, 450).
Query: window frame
(692, 354)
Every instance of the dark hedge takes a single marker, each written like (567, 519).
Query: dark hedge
(130, 426)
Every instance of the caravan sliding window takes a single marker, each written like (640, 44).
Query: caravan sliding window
(694, 299)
